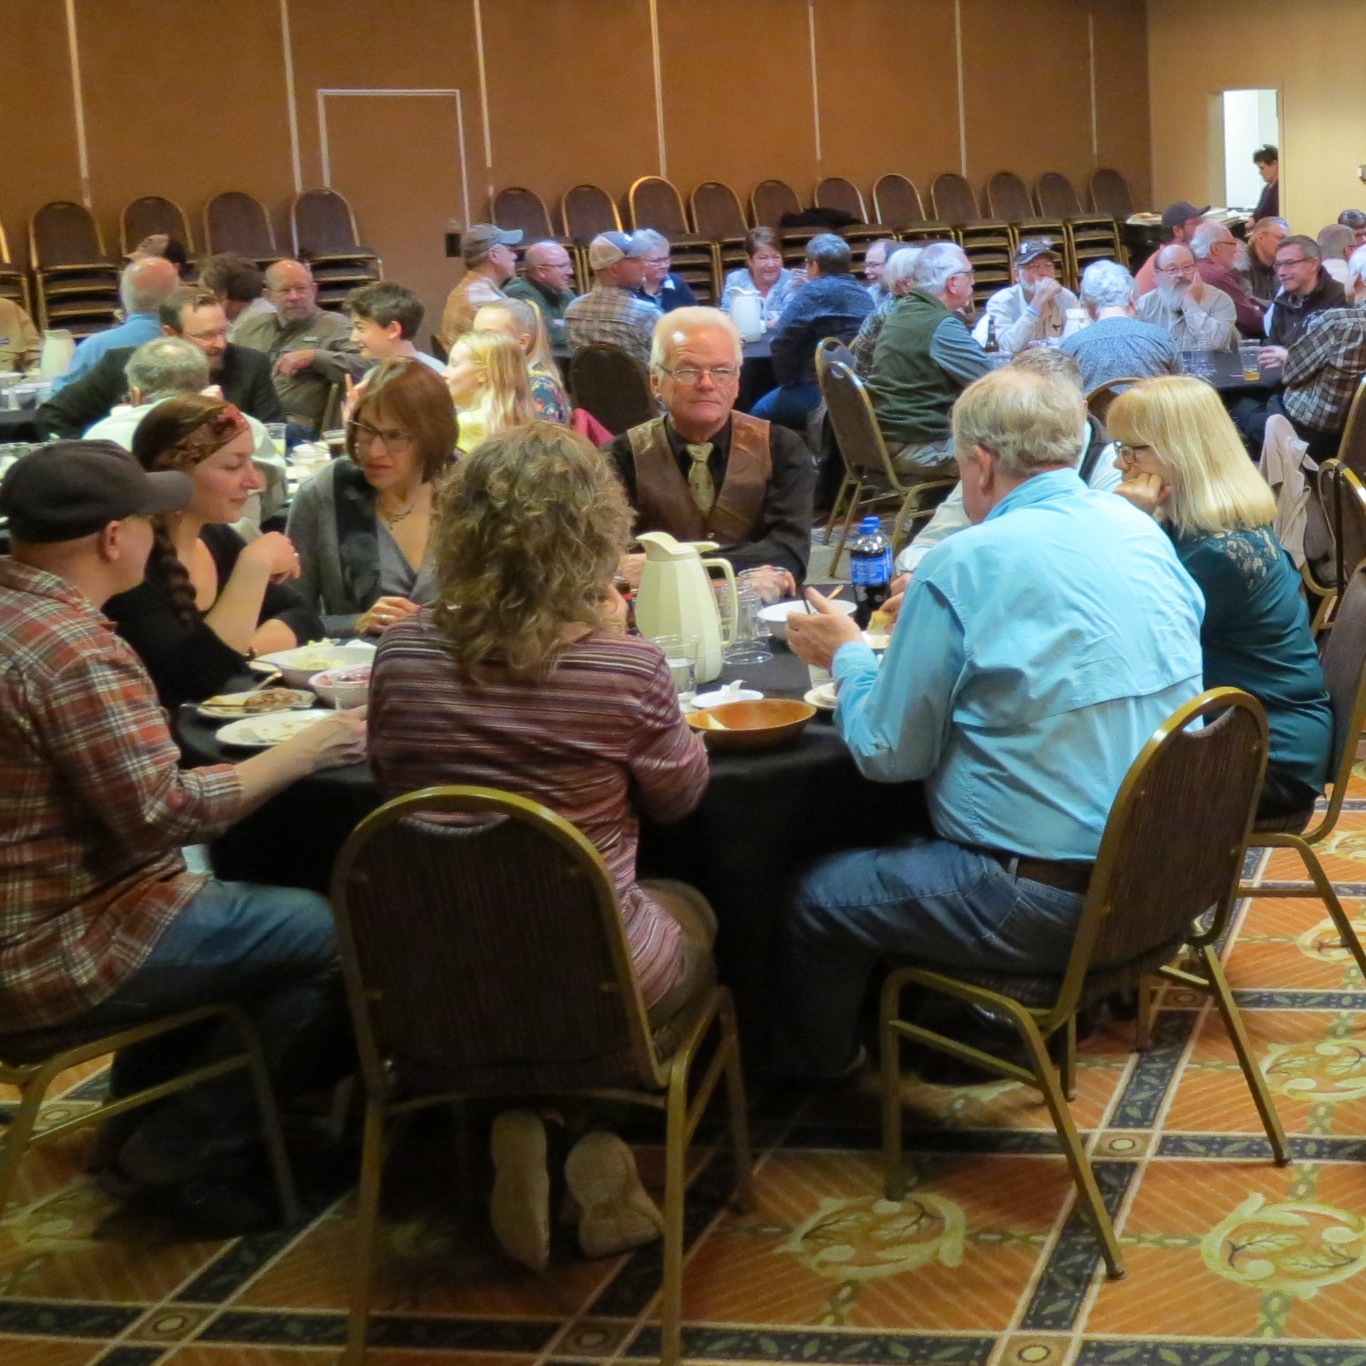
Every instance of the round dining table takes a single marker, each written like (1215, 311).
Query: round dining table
(764, 816)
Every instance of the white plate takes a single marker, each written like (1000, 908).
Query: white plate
(300, 663)
(261, 732)
(227, 712)
(822, 698)
(715, 699)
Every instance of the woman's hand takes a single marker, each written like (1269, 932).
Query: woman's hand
(629, 567)
(354, 393)
(613, 613)
(276, 552)
(385, 613)
(333, 741)
(1146, 492)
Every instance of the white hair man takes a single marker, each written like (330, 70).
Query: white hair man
(170, 366)
(1019, 776)
(659, 285)
(489, 264)
(1336, 243)
(142, 287)
(612, 311)
(1117, 344)
(1034, 308)
(704, 472)
(547, 273)
(924, 358)
(1198, 316)
(1221, 260)
(898, 279)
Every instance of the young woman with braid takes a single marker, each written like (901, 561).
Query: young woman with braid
(210, 600)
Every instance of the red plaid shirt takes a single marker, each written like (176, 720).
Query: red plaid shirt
(93, 805)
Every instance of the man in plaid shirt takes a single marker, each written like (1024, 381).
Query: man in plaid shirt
(101, 924)
(1322, 370)
(611, 311)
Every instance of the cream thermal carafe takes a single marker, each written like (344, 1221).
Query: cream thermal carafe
(676, 596)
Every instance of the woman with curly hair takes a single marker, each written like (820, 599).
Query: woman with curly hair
(210, 600)
(1181, 460)
(522, 677)
(490, 386)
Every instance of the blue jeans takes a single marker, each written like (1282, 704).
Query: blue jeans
(272, 951)
(789, 405)
(926, 900)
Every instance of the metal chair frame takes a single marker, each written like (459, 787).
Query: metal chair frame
(126, 239)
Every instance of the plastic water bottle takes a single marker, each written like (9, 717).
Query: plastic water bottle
(870, 568)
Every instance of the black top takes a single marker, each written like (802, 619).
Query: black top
(244, 380)
(785, 534)
(190, 663)
(1291, 312)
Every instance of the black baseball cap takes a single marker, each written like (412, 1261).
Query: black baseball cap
(70, 489)
(1181, 212)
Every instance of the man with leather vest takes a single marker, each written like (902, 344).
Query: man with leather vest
(704, 472)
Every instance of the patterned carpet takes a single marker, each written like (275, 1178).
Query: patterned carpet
(1232, 1262)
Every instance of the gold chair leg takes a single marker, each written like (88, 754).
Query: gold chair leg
(270, 1120)
(367, 1220)
(848, 523)
(894, 1172)
(739, 1110)
(1325, 889)
(1242, 1045)
(675, 1155)
(19, 1131)
(1068, 1070)
(837, 507)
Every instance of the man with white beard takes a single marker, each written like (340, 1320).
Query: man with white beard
(1219, 259)
(1199, 316)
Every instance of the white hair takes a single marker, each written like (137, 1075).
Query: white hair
(937, 263)
(1356, 265)
(899, 268)
(674, 327)
(1207, 235)
(1106, 284)
(647, 239)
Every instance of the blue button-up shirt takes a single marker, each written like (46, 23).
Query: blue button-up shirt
(133, 331)
(1034, 656)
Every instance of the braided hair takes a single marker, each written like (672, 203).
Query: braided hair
(178, 434)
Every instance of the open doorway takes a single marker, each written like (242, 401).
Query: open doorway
(1251, 120)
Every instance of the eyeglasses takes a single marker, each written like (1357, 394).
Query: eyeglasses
(692, 374)
(396, 441)
(658, 260)
(1174, 270)
(1297, 261)
(1127, 450)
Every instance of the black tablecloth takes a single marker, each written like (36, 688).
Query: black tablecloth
(764, 816)
(18, 424)
(1227, 375)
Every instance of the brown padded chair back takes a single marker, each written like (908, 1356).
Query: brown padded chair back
(1174, 840)
(1352, 447)
(896, 201)
(1110, 194)
(588, 210)
(324, 224)
(1100, 398)
(1056, 197)
(1007, 197)
(1344, 676)
(480, 938)
(853, 420)
(717, 212)
(1342, 502)
(236, 221)
(655, 203)
(517, 207)
(770, 201)
(150, 215)
(832, 351)
(612, 385)
(65, 234)
(953, 199)
(835, 192)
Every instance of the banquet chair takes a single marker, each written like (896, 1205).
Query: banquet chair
(13, 281)
(586, 211)
(717, 212)
(769, 201)
(869, 476)
(654, 202)
(237, 222)
(1344, 675)
(835, 192)
(953, 200)
(1007, 198)
(1172, 848)
(1352, 448)
(1056, 197)
(1110, 194)
(517, 207)
(1100, 398)
(32, 1061)
(1334, 538)
(484, 956)
(324, 227)
(77, 282)
(897, 201)
(150, 215)
(613, 385)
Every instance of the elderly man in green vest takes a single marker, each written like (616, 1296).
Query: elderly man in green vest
(704, 472)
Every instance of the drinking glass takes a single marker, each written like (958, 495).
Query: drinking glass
(276, 432)
(1249, 354)
(680, 654)
(749, 636)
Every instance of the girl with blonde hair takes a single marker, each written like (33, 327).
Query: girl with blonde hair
(525, 325)
(490, 386)
(1182, 461)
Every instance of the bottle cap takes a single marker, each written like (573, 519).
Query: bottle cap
(869, 526)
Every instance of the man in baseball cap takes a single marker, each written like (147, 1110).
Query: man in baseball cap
(611, 311)
(489, 265)
(1034, 308)
(1179, 222)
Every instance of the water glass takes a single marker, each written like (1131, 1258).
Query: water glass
(680, 654)
(276, 432)
(749, 635)
(1249, 354)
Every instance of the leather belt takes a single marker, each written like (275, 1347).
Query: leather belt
(1066, 875)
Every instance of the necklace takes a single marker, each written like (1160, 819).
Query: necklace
(394, 518)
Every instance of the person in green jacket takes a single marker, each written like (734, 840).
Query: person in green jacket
(545, 281)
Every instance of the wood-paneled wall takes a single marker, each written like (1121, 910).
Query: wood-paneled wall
(416, 108)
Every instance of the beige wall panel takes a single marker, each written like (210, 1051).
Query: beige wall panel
(737, 94)
(1122, 128)
(889, 90)
(167, 113)
(571, 94)
(38, 160)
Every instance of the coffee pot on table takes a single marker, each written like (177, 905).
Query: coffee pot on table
(676, 597)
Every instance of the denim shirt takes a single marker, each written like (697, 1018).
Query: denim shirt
(1035, 655)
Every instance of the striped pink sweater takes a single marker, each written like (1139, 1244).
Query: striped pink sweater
(600, 741)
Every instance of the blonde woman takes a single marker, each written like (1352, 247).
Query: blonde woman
(524, 324)
(489, 385)
(522, 677)
(1181, 460)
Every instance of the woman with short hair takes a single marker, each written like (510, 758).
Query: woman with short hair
(765, 275)
(1182, 461)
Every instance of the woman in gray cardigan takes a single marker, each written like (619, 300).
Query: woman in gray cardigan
(362, 525)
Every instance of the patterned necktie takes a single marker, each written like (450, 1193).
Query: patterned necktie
(700, 482)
